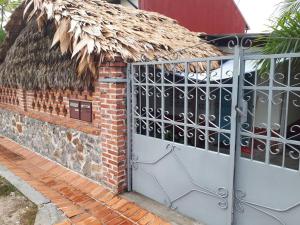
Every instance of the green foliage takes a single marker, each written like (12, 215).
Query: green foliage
(2, 35)
(285, 36)
(7, 6)
(6, 188)
(10, 5)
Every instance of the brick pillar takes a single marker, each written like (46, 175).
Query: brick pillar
(21, 95)
(112, 87)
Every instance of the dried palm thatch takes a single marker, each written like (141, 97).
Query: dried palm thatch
(94, 31)
(30, 65)
(50, 42)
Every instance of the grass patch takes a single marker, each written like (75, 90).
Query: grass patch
(29, 217)
(6, 188)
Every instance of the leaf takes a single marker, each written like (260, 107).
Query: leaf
(90, 45)
(49, 10)
(27, 7)
(82, 65)
(91, 64)
(73, 26)
(64, 36)
(41, 22)
(55, 38)
(57, 17)
(65, 43)
(93, 30)
(98, 47)
(36, 5)
(79, 47)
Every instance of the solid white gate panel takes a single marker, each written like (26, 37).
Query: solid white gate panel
(180, 177)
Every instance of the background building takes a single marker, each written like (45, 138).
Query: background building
(209, 16)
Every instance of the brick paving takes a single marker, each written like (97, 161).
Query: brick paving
(82, 201)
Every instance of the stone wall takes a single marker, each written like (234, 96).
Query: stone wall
(40, 121)
(73, 149)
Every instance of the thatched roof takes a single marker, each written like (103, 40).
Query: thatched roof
(89, 28)
(26, 61)
(29, 63)
(59, 39)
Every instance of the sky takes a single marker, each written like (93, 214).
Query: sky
(258, 13)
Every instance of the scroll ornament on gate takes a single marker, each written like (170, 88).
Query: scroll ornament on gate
(221, 193)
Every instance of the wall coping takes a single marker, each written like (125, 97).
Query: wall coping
(56, 120)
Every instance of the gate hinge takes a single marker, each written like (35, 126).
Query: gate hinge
(133, 162)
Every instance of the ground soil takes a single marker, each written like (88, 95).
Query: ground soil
(15, 208)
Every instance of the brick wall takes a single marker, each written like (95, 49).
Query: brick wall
(112, 88)
(109, 122)
(55, 102)
(9, 96)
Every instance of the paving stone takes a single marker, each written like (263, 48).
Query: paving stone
(81, 200)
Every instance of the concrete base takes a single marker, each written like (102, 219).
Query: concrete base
(162, 211)
(48, 214)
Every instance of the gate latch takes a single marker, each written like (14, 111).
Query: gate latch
(243, 111)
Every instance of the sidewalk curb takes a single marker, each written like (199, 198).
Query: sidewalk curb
(47, 214)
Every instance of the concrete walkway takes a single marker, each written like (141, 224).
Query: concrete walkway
(82, 201)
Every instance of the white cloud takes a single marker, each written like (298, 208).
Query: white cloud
(258, 13)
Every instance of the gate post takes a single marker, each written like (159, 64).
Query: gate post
(112, 87)
(234, 121)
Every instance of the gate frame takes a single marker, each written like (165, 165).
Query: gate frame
(238, 68)
(234, 112)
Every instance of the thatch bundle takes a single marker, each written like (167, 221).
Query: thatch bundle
(64, 41)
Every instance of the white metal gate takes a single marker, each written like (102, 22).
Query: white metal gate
(219, 145)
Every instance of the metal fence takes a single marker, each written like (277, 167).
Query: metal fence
(218, 139)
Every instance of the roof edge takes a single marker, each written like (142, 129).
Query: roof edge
(241, 14)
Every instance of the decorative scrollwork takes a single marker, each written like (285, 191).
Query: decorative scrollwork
(226, 141)
(241, 203)
(294, 153)
(234, 41)
(279, 79)
(246, 42)
(221, 193)
(296, 102)
(212, 95)
(247, 78)
(201, 136)
(275, 149)
(296, 78)
(202, 116)
(295, 129)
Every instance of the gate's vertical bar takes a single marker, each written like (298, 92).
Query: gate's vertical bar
(163, 101)
(207, 109)
(147, 101)
(270, 103)
(130, 124)
(220, 127)
(234, 128)
(285, 113)
(185, 103)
